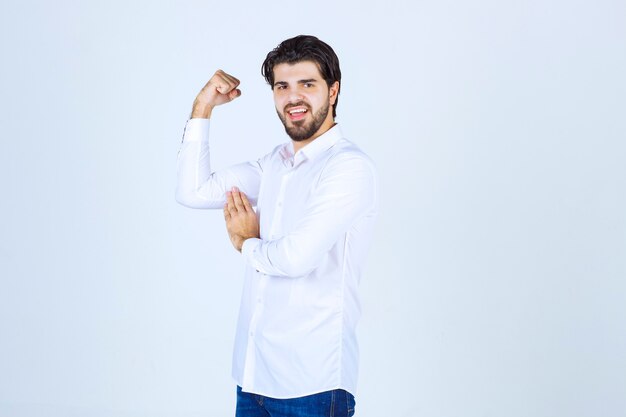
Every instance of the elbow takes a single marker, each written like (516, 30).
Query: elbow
(293, 270)
(297, 265)
(189, 199)
(183, 198)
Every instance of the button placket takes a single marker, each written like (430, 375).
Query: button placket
(252, 332)
(278, 209)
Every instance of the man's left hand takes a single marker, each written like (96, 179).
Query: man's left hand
(241, 220)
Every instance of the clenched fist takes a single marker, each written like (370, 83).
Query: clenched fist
(220, 89)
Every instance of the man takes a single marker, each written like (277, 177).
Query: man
(295, 347)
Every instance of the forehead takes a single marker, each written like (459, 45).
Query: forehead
(302, 70)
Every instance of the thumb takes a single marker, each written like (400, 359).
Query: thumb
(234, 94)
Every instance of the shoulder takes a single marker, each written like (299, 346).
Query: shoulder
(346, 155)
(347, 165)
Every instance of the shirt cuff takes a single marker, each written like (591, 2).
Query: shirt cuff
(196, 130)
(249, 247)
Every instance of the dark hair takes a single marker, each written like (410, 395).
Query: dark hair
(304, 48)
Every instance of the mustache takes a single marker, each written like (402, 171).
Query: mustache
(297, 104)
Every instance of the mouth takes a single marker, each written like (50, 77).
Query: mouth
(297, 113)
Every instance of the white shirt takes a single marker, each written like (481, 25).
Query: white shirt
(300, 303)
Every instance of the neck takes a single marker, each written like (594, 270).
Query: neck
(299, 144)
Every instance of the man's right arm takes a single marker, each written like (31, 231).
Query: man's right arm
(197, 185)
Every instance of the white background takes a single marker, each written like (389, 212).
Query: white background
(496, 284)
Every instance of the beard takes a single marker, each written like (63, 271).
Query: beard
(301, 130)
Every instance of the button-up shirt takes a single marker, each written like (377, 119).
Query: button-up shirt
(300, 304)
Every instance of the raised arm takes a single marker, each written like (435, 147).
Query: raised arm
(198, 186)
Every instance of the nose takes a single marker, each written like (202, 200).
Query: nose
(295, 95)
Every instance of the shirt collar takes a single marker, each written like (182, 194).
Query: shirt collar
(312, 150)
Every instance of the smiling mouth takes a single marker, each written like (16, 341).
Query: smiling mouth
(297, 113)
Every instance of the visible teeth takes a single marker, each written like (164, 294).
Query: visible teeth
(297, 111)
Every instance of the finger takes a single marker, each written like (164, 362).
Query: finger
(221, 83)
(230, 203)
(237, 199)
(246, 202)
(229, 77)
(217, 79)
(224, 86)
(226, 212)
(231, 84)
(234, 94)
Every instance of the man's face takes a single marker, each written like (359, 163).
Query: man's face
(303, 99)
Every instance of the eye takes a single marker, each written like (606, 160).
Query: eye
(308, 85)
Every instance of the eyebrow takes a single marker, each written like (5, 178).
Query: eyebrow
(309, 80)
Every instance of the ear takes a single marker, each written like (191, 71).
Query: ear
(333, 92)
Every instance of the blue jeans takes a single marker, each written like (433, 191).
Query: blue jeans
(335, 403)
